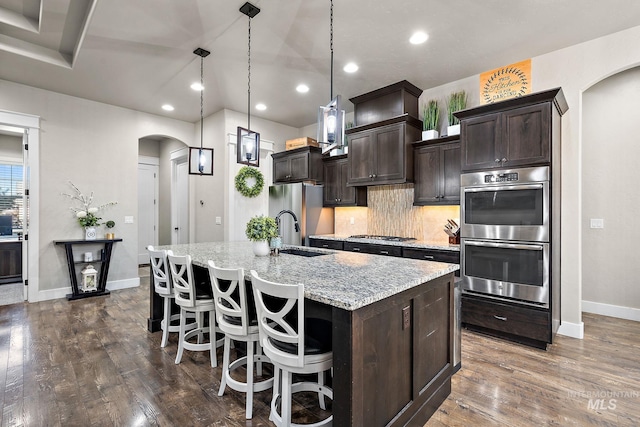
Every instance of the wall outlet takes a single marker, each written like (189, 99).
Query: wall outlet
(128, 220)
(406, 317)
(352, 220)
(218, 220)
(597, 223)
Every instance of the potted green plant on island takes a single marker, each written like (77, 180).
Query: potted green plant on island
(260, 229)
(430, 120)
(457, 101)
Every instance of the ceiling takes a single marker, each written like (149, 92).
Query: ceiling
(139, 54)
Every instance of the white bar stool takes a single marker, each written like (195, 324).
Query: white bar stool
(164, 289)
(285, 338)
(192, 299)
(234, 319)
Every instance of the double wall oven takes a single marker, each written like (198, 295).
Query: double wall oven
(505, 230)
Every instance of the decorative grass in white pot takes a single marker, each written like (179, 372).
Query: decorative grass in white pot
(260, 229)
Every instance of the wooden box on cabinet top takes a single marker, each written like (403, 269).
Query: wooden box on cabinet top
(514, 133)
(437, 172)
(336, 192)
(385, 103)
(297, 165)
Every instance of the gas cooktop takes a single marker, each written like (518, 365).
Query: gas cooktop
(387, 238)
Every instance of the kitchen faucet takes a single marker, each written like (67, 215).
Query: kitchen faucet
(295, 219)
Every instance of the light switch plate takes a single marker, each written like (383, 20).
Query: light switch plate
(352, 220)
(218, 220)
(128, 220)
(597, 223)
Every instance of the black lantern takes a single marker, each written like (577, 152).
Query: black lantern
(248, 141)
(200, 158)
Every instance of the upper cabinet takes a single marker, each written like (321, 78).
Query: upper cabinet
(297, 165)
(437, 172)
(380, 150)
(336, 192)
(514, 133)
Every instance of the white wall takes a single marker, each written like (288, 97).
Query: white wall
(575, 69)
(95, 146)
(611, 151)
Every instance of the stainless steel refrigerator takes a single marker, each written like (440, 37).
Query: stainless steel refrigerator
(305, 201)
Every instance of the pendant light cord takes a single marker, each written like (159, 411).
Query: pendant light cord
(249, 80)
(331, 45)
(201, 100)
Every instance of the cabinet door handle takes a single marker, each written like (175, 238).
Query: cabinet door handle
(325, 246)
(370, 176)
(428, 257)
(504, 160)
(497, 160)
(374, 175)
(336, 199)
(339, 200)
(504, 319)
(384, 252)
(356, 249)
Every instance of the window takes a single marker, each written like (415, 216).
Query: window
(11, 204)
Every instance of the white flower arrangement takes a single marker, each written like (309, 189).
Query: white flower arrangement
(86, 214)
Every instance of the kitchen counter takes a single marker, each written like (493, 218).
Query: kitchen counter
(392, 324)
(421, 244)
(340, 279)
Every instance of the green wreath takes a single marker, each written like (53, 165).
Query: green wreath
(241, 181)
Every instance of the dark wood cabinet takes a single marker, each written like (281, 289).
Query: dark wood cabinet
(373, 248)
(452, 257)
(382, 154)
(326, 243)
(437, 172)
(512, 133)
(336, 191)
(522, 324)
(297, 165)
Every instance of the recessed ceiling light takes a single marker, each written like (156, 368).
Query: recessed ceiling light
(261, 107)
(167, 107)
(197, 86)
(351, 67)
(418, 37)
(302, 88)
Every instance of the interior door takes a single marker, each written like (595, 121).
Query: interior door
(147, 209)
(24, 215)
(181, 204)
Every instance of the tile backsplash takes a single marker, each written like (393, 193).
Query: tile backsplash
(391, 212)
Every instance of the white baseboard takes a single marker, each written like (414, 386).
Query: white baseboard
(620, 312)
(111, 285)
(573, 330)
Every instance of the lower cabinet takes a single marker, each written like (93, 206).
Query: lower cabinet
(371, 248)
(527, 325)
(10, 262)
(327, 244)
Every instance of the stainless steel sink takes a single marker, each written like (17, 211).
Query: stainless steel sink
(301, 252)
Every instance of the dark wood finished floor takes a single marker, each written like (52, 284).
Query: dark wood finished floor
(92, 362)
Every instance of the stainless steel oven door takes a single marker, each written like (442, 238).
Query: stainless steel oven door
(506, 212)
(506, 270)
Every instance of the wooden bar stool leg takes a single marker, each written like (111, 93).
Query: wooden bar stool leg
(212, 339)
(225, 365)
(249, 403)
(259, 364)
(166, 322)
(285, 400)
(320, 394)
(183, 322)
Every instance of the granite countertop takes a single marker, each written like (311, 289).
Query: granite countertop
(341, 279)
(423, 244)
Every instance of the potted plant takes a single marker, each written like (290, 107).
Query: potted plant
(260, 229)
(110, 224)
(430, 119)
(457, 101)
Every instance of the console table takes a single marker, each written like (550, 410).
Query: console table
(102, 262)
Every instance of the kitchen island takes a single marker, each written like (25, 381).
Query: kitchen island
(392, 324)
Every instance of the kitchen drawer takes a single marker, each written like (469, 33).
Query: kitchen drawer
(369, 248)
(327, 244)
(510, 318)
(452, 257)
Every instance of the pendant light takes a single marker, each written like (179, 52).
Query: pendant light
(331, 117)
(200, 158)
(248, 142)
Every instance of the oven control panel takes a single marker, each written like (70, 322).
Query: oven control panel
(502, 177)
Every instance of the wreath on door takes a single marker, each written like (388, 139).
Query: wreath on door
(243, 188)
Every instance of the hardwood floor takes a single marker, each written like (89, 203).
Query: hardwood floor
(92, 363)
